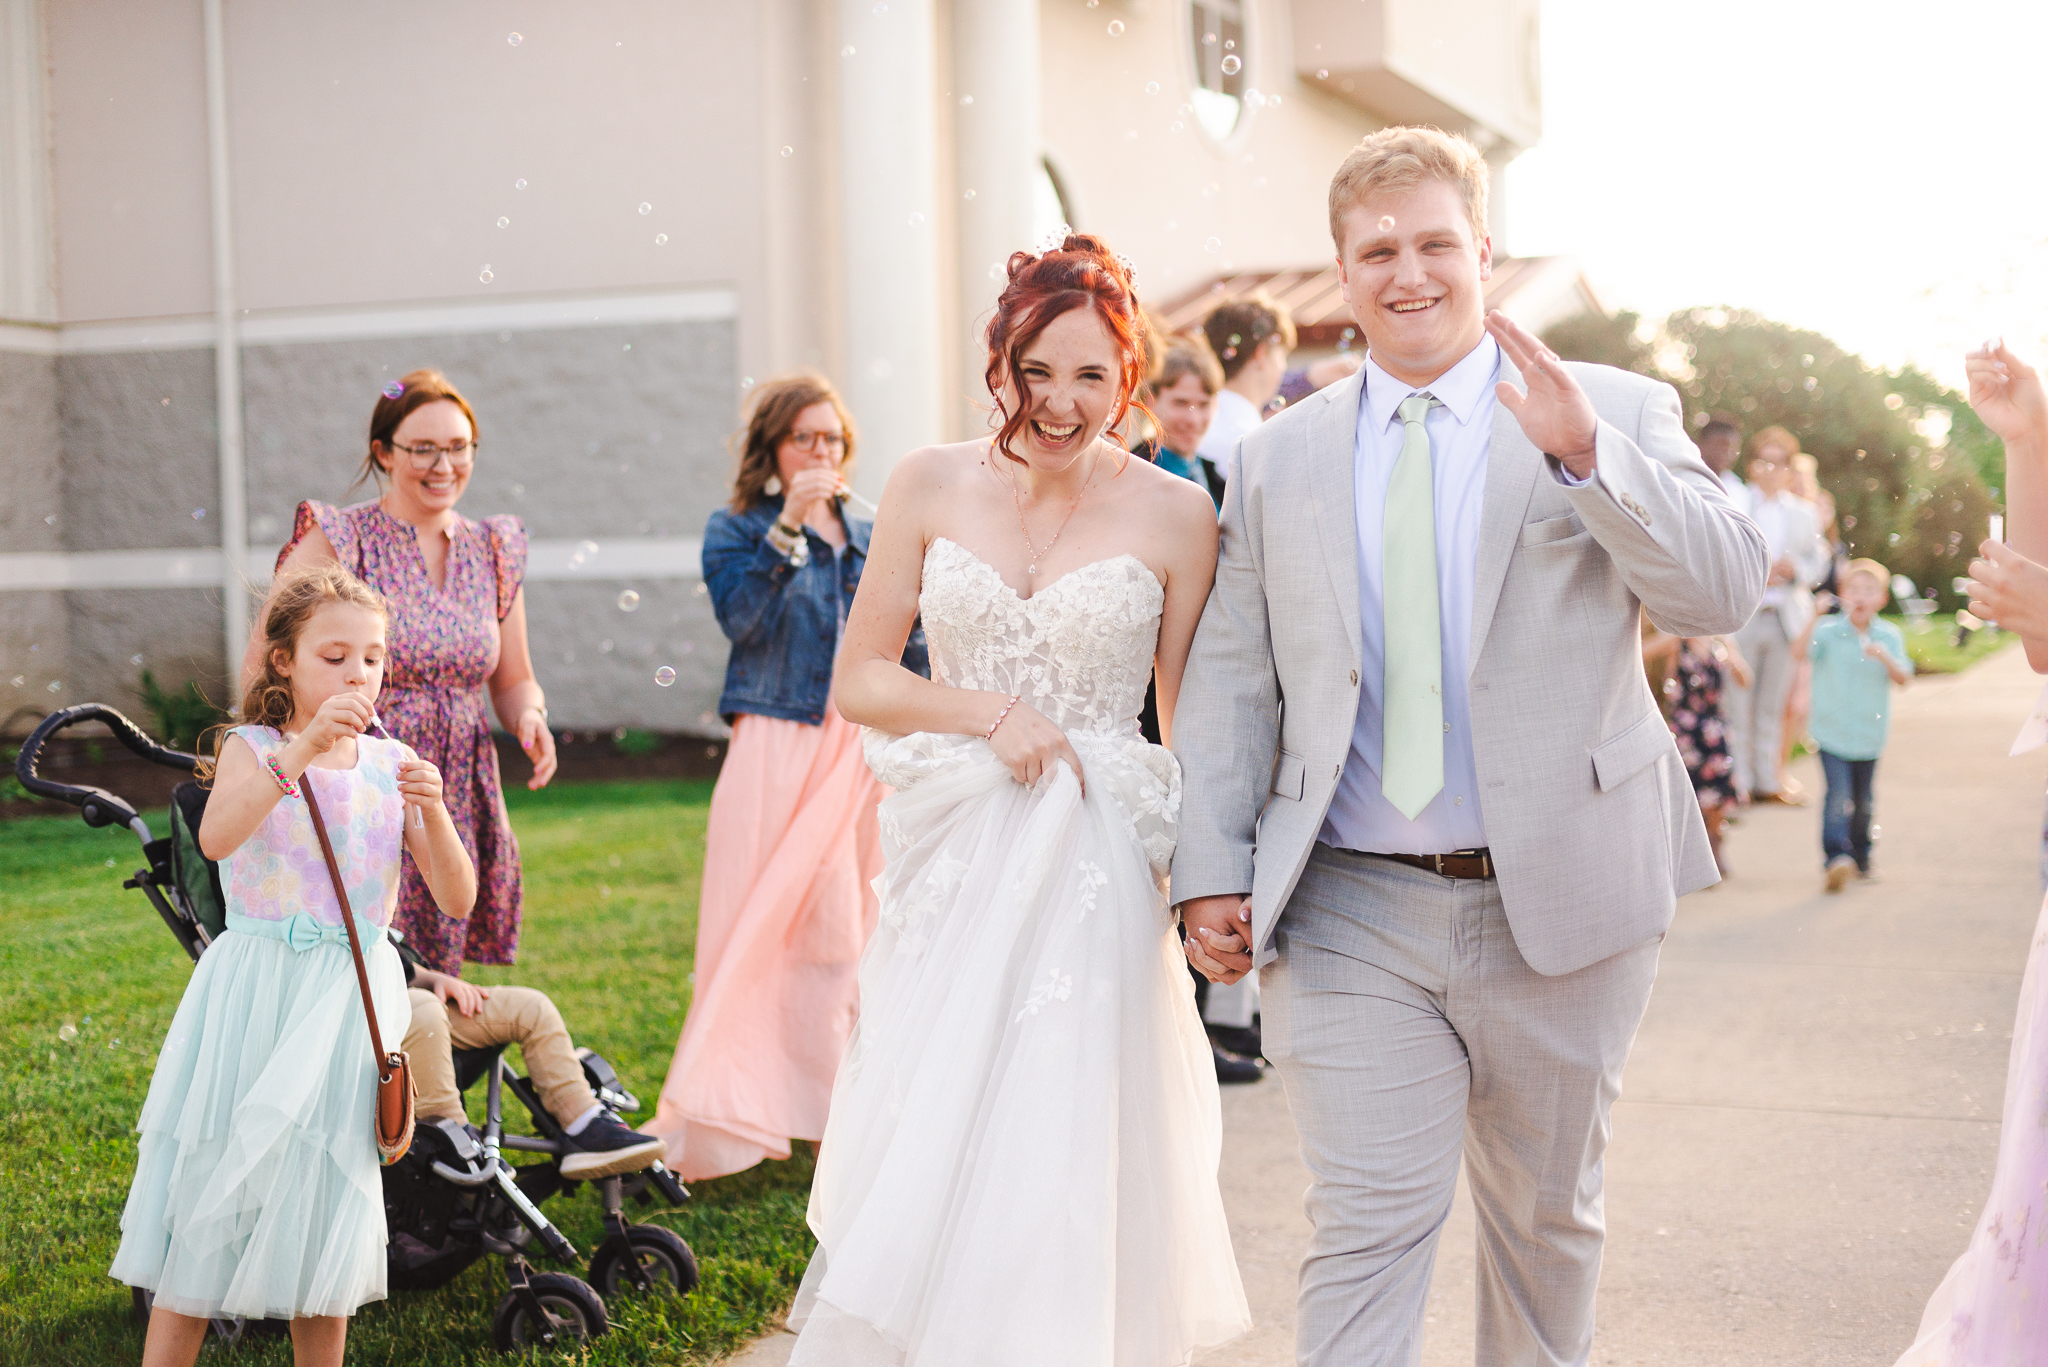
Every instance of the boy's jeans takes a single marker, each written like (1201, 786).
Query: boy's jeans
(1845, 819)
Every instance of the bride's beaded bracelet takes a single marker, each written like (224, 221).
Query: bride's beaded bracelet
(990, 734)
(277, 772)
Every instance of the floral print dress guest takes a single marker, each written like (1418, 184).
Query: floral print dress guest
(792, 845)
(458, 646)
(1692, 699)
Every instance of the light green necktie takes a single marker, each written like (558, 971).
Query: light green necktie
(1411, 696)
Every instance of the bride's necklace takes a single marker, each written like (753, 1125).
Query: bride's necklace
(1036, 553)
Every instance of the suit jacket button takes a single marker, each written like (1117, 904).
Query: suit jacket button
(1354, 678)
(1338, 775)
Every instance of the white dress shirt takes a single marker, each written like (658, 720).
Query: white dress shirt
(1737, 490)
(1460, 434)
(1791, 528)
(1235, 418)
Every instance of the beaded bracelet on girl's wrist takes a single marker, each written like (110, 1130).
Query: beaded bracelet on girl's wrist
(794, 546)
(277, 772)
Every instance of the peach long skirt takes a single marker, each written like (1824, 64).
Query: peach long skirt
(791, 850)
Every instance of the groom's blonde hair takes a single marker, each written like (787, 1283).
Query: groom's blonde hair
(1402, 157)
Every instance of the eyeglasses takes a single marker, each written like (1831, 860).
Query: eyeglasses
(808, 442)
(424, 456)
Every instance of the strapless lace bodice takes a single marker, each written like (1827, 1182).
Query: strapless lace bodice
(1079, 650)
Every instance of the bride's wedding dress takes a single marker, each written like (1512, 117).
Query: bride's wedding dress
(1020, 1165)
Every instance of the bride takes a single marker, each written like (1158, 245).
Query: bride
(1020, 1161)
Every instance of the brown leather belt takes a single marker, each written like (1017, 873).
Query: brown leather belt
(1456, 864)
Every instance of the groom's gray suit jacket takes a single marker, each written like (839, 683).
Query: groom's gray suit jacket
(1592, 822)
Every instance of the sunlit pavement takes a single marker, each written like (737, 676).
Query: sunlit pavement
(1810, 1115)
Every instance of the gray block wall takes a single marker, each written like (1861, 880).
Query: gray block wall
(587, 433)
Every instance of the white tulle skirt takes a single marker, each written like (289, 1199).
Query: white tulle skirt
(1020, 1166)
(256, 1188)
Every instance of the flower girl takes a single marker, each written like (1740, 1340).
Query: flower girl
(256, 1190)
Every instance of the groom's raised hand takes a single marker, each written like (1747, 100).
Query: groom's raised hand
(1219, 936)
(1555, 414)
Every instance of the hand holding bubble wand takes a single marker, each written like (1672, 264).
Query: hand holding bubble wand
(419, 820)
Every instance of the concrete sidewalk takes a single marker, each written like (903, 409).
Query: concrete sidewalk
(1810, 1115)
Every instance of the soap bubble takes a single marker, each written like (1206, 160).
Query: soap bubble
(1233, 64)
(664, 677)
(1213, 244)
(967, 194)
(629, 600)
(701, 591)
(485, 275)
(56, 685)
(199, 514)
(519, 491)
(604, 647)
(519, 184)
(916, 219)
(846, 51)
(646, 208)
(1322, 73)
(966, 100)
(515, 39)
(1387, 223)
(1151, 87)
(135, 659)
(1175, 126)
(18, 680)
(1116, 28)
(504, 222)
(67, 1032)
(394, 390)
(661, 239)
(789, 151)
(586, 548)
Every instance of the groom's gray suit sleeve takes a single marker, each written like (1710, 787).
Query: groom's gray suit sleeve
(1230, 713)
(1662, 515)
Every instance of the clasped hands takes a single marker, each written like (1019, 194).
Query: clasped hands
(1219, 935)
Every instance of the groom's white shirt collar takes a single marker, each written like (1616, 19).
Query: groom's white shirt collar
(1461, 389)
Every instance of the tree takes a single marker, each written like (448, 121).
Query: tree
(1906, 460)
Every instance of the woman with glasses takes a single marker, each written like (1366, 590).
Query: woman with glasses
(457, 631)
(792, 843)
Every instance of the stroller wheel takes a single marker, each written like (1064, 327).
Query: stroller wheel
(574, 1313)
(667, 1262)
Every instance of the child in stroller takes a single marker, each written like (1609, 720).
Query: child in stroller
(450, 1014)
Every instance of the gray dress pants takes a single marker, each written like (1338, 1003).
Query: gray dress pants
(1755, 715)
(1410, 1033)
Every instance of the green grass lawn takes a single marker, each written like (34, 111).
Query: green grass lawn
(612, 875)
(1930, 640)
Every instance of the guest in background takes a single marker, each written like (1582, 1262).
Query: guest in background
(1858, 658)
(791, 844)
(1687, 679)
(1251, 337)
(1756, 711)
(1181, 395)
(1799, 700)
(457, 629)
(1721, 448)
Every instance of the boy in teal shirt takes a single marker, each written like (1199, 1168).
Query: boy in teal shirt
(1857, 659)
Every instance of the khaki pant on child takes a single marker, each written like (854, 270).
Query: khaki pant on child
(510, 1015)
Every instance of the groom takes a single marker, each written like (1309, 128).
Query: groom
(1428, 792)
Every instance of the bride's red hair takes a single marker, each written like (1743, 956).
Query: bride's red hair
(1080, 272)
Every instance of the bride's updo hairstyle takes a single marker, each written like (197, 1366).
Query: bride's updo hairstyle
(1081, 272)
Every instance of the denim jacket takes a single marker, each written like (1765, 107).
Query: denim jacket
(783, 623)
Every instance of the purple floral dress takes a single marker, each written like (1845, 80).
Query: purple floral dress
(443, 648)
(1694, 690)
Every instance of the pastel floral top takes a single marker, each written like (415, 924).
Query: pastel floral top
(278, 873)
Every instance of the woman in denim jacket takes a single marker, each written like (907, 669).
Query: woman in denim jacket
(791, 846)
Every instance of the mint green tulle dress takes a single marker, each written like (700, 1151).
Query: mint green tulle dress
(256, 1188)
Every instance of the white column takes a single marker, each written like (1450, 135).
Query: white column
(888, 185)
(28, 261)
(227, 360)
(997, 153)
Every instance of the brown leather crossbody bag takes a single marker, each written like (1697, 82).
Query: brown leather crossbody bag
(396, 1091)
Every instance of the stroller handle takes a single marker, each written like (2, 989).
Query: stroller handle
(97, 805)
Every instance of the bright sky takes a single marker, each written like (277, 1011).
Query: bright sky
(1871, 169)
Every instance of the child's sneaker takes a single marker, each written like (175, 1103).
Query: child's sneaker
(1839, 871)
(606, 1148)
(1869, 876)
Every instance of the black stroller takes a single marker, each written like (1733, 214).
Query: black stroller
(453, 1198)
